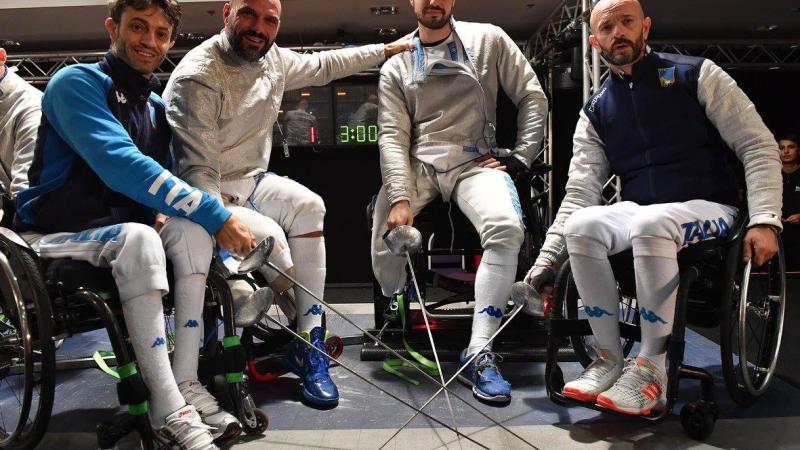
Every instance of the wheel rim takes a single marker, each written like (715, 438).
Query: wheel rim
(17, 355)
(760, 304)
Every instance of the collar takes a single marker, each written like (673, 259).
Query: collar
(127, 79)
(641, 69)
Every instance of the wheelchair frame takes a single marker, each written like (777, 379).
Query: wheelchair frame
(697, 418)
(61, 311)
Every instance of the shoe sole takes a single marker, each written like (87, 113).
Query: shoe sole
(481, 396)
(607, 403)
(579, 395)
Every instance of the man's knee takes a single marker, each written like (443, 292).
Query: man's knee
(140, 265)
(583, 222)
(309, 214)
(653, 223)
(506, 233)
(188, 245)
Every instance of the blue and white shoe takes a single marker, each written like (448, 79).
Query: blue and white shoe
(485, 378)
(312, 368)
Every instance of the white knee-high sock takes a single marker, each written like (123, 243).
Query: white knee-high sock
(144, 318)
(189, 296)
(598, 290)
(308, 254)
(492, 289)
(657, 279)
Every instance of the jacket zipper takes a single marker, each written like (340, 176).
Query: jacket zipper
(644, 141)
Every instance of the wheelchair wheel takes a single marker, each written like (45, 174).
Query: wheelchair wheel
(751, 332)
(586, 347)
(27, 352)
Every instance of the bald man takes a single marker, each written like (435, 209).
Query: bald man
(222, 102)
(666, 125)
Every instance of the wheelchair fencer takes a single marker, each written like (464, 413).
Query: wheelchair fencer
(448, 259)
(715, 289)
(45, 300)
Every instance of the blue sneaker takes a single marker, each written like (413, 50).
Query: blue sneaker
(485, 378)
(312, 368)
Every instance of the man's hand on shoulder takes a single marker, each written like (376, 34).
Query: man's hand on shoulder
(235, 236)
(760, 244)
(398, 46)
(400, 214)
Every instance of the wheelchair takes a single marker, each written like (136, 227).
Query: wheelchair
(449, 260)
(46, 300)
(716, 289)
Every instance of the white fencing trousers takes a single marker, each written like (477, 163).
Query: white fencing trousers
(655, 233)
(486, 196)
(275, 206)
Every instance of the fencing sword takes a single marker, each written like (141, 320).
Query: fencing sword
(402, 241)
(261, 258)
(372, 383)
(521, 297)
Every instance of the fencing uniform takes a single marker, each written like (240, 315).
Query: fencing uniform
(96, 181)
(20, 112)
(667, 131)
(437, 115)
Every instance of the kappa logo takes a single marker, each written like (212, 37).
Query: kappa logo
(650, 316)
(596, 99)
(596, 311)
(492, 311)
(159, 342)
(315, 310)
(121, 98)
(191, 324)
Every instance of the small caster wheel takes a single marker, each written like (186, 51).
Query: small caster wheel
(262, 422)
(698, 419)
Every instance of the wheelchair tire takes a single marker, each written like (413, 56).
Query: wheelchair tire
(29, 321)
(752, 324)
(585, 352)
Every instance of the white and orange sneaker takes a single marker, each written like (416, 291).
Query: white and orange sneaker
(640, 389)
(598, 377)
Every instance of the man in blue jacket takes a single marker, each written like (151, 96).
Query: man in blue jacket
(667, 126)
(96, 183)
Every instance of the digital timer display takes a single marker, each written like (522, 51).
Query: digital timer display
(360, 134)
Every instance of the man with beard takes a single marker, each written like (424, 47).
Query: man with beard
(437, 119)
(666, 125)
(222, 102)
(96, 181)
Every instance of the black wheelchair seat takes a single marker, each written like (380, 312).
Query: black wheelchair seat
(73, 275)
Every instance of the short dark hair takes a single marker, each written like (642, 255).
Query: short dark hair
(788, 137)
(171, 9)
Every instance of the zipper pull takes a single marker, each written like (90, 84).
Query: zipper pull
(285, 149)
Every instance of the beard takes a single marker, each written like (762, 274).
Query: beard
(237, 43)
(624, 59)
(434, 24)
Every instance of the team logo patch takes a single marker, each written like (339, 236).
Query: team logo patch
(315, 310)
(191, 324)
(650, 316)
(666, 77)
(159, 342)
(492, 311)
(596, 312)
